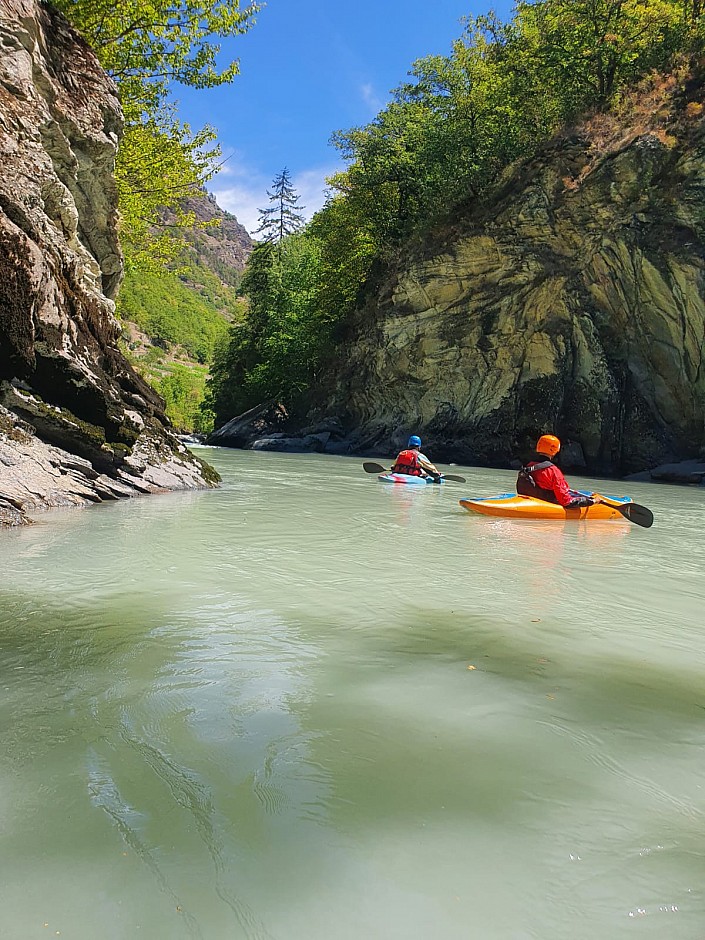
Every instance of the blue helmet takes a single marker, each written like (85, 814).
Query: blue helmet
(414, 441)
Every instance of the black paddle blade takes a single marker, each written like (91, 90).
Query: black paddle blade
(635, 513)
(640, 515)
(454, 478)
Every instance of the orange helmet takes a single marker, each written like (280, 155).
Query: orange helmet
(548, 444)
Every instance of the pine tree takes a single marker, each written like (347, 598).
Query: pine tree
(284, 216)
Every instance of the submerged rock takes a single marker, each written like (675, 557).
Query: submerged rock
(74, 411)
(308, 443)
(689, 472)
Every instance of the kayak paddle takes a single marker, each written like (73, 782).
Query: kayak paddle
(378, 468)
(640, 515)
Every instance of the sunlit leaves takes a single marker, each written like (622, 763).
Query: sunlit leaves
(286, 333)
(589, 48)
(147, 45)
(449, 132)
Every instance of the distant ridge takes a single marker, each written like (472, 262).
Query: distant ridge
(223, 248)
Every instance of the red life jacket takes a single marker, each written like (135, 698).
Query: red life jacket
(527, 485)
(408, 462)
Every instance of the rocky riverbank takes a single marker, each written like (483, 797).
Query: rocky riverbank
(35, 475)
(269, 427)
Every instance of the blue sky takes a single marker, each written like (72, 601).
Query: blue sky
(308, 68)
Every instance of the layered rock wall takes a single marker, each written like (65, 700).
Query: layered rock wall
(574, 304)
(63, 382)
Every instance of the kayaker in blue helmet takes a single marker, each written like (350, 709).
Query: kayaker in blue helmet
(412, 462)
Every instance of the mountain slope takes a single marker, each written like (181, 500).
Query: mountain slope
(173, 320)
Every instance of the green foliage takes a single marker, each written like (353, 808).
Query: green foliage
(347, 250)
(147, 47)
(276, 351)
(159, 162)
(172, 313)
(586, 49)
(447, 135)
(182, 388)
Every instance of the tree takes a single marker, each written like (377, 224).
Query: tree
(159, 163)
(284, 216)
(588, 49)
(442, 139)
(278, 348)
(147, 47)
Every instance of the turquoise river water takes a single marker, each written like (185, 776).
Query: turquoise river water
(311, 706)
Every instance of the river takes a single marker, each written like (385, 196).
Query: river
(310, 706)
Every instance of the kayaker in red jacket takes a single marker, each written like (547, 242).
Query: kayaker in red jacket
(541, 478)
(412, 462)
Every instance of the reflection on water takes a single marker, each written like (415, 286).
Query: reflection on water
(542, 552)
(250, 713)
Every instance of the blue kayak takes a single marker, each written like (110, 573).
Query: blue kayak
(406, 478)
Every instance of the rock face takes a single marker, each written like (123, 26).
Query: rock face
(223, 247)
(268, 419)
(270, 427)
(64, 385)
(574, 304)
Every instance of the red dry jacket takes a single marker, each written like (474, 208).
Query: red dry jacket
(548, 478)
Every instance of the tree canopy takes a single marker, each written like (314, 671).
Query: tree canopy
(145, 46)
(448, 133)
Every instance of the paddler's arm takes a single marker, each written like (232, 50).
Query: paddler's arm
(566, 497)
(426, 464)
(429, 467)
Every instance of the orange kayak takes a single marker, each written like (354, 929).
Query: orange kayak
(509, 505)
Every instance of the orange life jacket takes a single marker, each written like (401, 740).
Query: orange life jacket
(408, 462)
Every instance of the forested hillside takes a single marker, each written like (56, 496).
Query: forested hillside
(174, 316)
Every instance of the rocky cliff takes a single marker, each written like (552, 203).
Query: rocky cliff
(574, 302)
(223, 247)
(77, 423)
